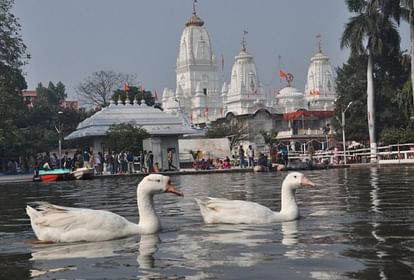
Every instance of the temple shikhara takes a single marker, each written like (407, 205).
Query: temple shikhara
(203, 99)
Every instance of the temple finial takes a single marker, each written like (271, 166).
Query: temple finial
(194, 7)
(244, 40)
(319, 37)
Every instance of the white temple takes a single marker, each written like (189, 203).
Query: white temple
(320, 91)
(197, 92)
(244, 95)
(197, 89)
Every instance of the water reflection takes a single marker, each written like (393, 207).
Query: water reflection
(356, 225)
(148, 246)
(290, 233)
(144, 250)
(86, 250)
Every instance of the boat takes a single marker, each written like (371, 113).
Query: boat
(53, 175)
(83, 173)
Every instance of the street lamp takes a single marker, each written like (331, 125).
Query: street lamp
(343, 129)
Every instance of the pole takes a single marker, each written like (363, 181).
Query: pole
(343, 129)
(59, 131)
(343, 135)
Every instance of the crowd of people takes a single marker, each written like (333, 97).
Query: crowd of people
(125, 162)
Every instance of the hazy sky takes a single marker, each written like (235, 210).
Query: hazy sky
(70, 39)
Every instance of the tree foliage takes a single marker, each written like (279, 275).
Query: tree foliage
(12, 49)
(393, 102)
(126, 137)
(12, 57)
(97, 89)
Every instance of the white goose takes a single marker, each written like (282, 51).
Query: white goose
(219, 210)
(52, 223)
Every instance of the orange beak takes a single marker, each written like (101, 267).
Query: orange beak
(172, 189)
(306, 182)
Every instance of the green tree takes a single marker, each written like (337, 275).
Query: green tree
(12, 57)
(392, 103)
(12, 49)
(404, 9)
(126, 137)
(369, 32)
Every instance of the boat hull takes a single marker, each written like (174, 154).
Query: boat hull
(55, 175)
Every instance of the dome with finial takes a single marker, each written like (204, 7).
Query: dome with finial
(195, 44)
(194, 20)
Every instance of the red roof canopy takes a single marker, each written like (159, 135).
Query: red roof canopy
(295, 115)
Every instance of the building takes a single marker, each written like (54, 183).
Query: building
(300, 117)
(243, 95)
(197, 83)
(30, 96)
(164, 128)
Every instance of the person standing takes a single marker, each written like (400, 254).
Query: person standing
(170, 157)
(142, 156)
(250, 154)
(130, 159)
(150, 162)
(241, 157)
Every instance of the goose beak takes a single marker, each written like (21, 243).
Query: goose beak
(306, 182)
(172, 189)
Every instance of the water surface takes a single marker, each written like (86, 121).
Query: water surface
(358, 224)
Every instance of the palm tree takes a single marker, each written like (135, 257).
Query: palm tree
(369, 33)
(403, 9)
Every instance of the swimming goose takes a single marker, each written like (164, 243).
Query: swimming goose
(53, 223)
(220, 210)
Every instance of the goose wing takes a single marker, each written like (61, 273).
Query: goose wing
(220, 210)
(66, 224)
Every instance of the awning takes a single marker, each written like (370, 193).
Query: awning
(304, 113)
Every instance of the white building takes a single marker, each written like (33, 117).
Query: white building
(164, 128)
(320, 91)
(197, 83)
(244, 95)
(295, 114)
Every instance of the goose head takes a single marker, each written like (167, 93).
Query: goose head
(157, 184)
(295, 180)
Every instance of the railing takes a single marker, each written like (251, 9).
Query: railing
(398, 153)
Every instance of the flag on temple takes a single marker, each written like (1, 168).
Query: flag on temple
(126, 87)
(282, 74)
(222, 62)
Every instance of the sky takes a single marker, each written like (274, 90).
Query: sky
(68, 40)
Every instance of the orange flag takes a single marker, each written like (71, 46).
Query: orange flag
(126, 87)
(282, 74)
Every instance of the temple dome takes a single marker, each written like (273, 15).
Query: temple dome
(194, 20)
(290, 99)
(155, 121)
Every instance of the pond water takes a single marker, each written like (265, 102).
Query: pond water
(358, 224)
